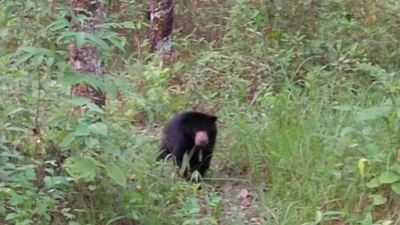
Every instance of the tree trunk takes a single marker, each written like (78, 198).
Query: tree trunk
(87, 59)
(162, 19)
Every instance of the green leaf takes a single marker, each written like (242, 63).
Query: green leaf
(82, 130)
(98, 128)
(94, 107)
(49, 61)
(116, 43)
(11, 216)
(30, 173)
(368, 219)
(41, 33)
(3, 210)
(70, 79)
(38, 60)
(59, 24)
(373, 183)
(318, 217)
(190, 222)
(111, 89)
(373, 113)
(115, 173)
(343, 108)
(80, 39)
(98, 41)
(395, 168)
(94, 82)
(15, 111)
(396, 188)
(61, 66)
(388, 177)
(67, 140)
(12, 128)
(139, 25)
(23, 58)
(194, 210)
(379, 200)
(67, 36)
(347, 130)
(10, 10)
(372, 150)
(56, 119)
(38, 51)
(91, 142)
(86, 167)
(79, 100)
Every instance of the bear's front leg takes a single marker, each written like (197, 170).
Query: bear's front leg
(204, 165)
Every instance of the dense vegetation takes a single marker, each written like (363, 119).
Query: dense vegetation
(306, 92)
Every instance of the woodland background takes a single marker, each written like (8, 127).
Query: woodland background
(306, 92)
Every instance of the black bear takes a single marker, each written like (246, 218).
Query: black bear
(189, 131)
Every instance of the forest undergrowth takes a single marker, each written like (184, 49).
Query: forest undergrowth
(306, 96)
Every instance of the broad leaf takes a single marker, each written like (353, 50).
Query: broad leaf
(373, 183)
(98, 128)
(67, 140)
(396, 188)
(388, 177)
(379, 200)
(82, 130)
(116, 174)
(86, 167)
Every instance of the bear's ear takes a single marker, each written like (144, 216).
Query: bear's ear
(213, 118)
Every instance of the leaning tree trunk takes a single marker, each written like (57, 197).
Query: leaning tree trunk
(87, 59)
(162, 19)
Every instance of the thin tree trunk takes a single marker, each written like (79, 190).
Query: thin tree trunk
(162, 19)
(87, 59)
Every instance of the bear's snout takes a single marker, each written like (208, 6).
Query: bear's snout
(201, 138)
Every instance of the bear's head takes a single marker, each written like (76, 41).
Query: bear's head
(201, 127)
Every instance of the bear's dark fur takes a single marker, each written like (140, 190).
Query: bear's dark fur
(187, 131)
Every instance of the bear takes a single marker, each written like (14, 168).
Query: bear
(189, 131)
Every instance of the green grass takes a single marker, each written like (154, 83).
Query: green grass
(301, 98)
(288, 152)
